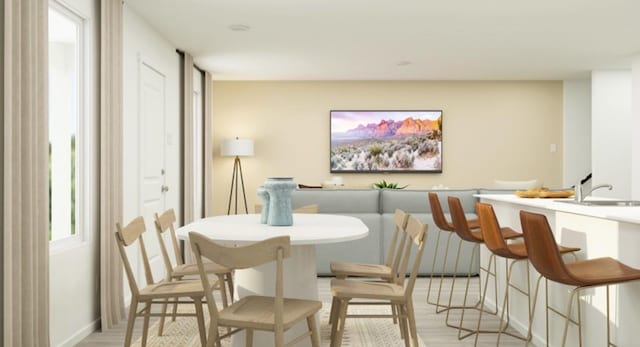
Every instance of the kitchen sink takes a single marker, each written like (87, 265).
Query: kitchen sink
(603, 202)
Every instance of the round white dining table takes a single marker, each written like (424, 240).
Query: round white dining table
(300, 276)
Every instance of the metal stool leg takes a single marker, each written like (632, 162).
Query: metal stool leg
(533, 310)
(492, 258)
(433, 266)
(505, 304)
(460, 327)
(453, 283)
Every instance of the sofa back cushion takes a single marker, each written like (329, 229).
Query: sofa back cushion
(417, 201)
(343, 201)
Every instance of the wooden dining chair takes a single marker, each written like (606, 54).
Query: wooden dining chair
(398, 293)
(276, 314)
(386, 271)
(154, 293)
(582, 274)
(164, 224)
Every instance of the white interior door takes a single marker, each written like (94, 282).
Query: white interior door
(152, 159)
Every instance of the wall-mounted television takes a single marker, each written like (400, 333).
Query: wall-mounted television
(386, 141)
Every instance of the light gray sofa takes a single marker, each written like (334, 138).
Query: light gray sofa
(376, 209)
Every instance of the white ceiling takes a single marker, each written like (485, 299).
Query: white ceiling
(366, 39)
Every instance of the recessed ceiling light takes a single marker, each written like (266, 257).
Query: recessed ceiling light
(403, 63)
(239, 27)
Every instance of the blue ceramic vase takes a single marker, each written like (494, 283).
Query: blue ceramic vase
(279, 189)
(264, 196)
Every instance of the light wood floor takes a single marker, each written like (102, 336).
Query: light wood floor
(431, 326)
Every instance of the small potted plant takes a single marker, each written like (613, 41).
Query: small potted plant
(388, 185)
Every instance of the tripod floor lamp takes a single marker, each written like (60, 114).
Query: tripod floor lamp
(237, 148)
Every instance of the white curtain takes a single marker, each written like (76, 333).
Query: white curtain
(208, 146)
(25, 186)
(111, 273)
(188, 184)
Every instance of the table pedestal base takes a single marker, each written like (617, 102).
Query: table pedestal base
(300, 282)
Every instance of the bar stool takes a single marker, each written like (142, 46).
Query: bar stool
(462, 229)
(515, 251)
(582, 274)
(442, 223)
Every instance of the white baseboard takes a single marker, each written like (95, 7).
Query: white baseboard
(81, 334)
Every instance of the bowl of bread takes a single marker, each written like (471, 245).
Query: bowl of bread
(544, 192)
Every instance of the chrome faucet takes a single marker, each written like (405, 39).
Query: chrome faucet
(580, 196)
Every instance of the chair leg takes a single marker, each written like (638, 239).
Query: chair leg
(200, 318)
(229, 280)
(546, 300)
(492, 259)
(394, 313)
(131, 322)
(248, 333)
(433, 265)
(504, 316)
(464, 306)
(334, 309)
(333, 318)
(213, 337)
(313, 328)
(279, 338)
(526, 264)
(453, 282)
(505, 303)
(533, 310)
(164, 312)
(444, 265)
(402, 323)
(223, 290)
(568, 316)
(340, 322)
(608, 325)
(145, 324)
(580, 319)
(412, 322)
(174, 313)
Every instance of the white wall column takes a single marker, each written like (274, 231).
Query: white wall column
(576, 129)
(635, 126)
(611, 131)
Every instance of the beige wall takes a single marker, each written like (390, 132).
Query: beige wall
(491, 130)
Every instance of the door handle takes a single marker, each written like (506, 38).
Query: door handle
(164, 189)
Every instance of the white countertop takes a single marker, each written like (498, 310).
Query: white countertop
(307, 229)
(628, 214)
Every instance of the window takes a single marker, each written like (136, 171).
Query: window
(65, 115)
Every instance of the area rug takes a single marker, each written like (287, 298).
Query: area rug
(359, 332)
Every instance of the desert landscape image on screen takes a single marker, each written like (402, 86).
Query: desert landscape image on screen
(386, 141)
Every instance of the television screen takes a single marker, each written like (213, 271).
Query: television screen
(386, 141)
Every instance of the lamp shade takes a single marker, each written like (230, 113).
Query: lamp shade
(236, 147)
